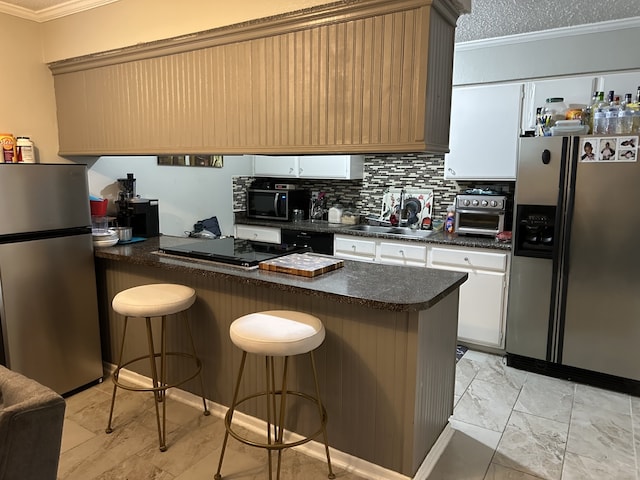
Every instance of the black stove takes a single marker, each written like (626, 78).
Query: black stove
(232, 251)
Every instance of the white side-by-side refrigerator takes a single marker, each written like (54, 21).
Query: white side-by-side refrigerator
(49, 328)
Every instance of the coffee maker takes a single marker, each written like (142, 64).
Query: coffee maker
(141, 214)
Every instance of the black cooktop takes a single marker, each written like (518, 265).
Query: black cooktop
(232, 251)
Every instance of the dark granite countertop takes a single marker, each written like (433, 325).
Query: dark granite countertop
(403, 289)
(440, 237)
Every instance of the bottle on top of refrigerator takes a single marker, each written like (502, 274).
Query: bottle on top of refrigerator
(625, 116)
(635, 127)
(591, 109)
(599, 121)
(8, 148)
(597, 101)
(24, 149)
(612, 115)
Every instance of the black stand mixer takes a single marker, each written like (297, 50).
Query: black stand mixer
(141, 214)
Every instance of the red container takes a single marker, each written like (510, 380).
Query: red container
(98, 207)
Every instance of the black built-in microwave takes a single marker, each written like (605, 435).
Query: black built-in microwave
(277, 204)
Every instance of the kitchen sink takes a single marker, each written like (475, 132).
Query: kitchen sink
(399, 231)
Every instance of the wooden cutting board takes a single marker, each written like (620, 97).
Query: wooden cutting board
(302, 264)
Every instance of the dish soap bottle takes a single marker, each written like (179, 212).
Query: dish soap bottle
(450, 220)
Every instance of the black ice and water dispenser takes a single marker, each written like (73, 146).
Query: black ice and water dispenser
(535, 235)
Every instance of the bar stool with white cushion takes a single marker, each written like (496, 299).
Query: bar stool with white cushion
(276, 333)
(151, 301)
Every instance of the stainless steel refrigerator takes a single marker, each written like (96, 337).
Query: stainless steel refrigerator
(48, 302)
(574, 293)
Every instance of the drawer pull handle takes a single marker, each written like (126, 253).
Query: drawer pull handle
(466, 259)
(401, 252)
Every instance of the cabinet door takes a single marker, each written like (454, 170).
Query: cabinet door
(481, 309)
(354, 248)
(481, 313)
(576, 90)
(275, 166)
(402, 253)
(621, 83)
(331, 166)
(485, 125)
(309, 84)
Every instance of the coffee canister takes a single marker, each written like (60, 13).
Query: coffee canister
(24, 150)
(8, 143)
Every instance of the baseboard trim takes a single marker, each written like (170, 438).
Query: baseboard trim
(313, 449)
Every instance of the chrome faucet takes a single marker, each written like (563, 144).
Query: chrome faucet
(402, 192)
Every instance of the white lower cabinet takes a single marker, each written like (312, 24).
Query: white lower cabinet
(402, 253)
(483, 297)
(258, 234)
(379, 250)
(354, 248)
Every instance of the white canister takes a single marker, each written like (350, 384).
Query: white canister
(335, 214)
(25, 151)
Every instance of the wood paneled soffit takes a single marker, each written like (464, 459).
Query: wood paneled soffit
(333, 13)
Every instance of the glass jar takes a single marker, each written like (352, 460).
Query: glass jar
(554, 109)
(350, 216)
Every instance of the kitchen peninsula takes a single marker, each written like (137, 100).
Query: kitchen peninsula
(386, 367)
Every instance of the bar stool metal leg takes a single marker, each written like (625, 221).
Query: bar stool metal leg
(229, 415)
(157, 389)
(206, 412)
(115, 376)
(323, 414)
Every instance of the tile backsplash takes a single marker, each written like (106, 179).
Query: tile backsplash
(382, 171)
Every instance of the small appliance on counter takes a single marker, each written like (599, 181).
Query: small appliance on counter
(141, 214)
(482, 212)
(231, 251)
(277, 201)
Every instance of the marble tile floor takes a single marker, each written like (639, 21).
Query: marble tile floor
(514, 425)
(131, 451)
(508, 425)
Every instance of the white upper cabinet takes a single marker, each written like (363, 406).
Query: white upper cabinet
(341, 167)
(621, 83)
(574, 90)
(275, 166)
(485, 126)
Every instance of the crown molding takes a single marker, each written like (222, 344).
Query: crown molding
(554, 33)
(51, 13)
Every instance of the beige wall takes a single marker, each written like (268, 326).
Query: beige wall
(26, 84)
(26, 87)
(129, 22)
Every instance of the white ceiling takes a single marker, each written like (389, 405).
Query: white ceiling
(499, 18)
(43, 10)
(488, 18)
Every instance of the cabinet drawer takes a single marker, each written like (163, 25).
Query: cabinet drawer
(403, 251)
(353, 246)
(258, 234)
(443, 257)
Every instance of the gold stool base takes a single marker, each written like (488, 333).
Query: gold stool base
(275, 433)
(160, 385)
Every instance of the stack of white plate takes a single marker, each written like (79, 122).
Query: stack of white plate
(104, 238)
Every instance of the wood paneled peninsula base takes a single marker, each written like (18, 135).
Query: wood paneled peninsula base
(387, 365)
